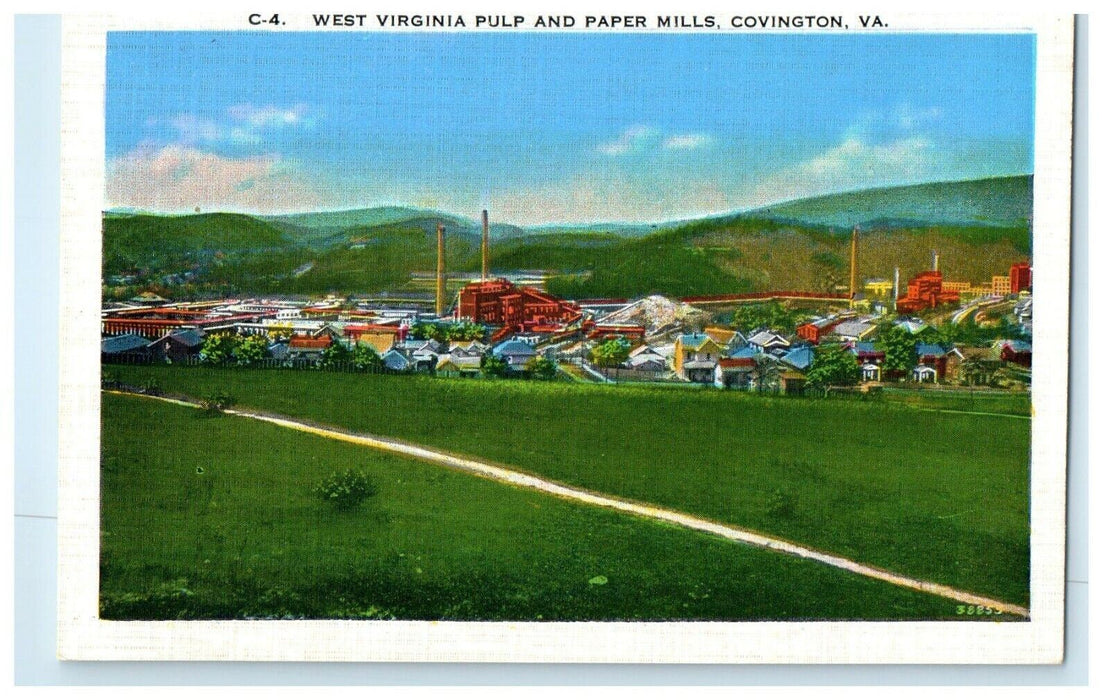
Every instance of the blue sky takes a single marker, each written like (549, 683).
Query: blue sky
(550, 127)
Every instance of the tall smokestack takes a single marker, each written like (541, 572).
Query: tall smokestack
(895, 290)
(485, 244)
(852, 266)
(441, 276)
(936, 261)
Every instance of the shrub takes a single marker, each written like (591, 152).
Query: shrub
(150, 385)
(108, 379)
(344, 490)
(781, 504)
(217, 402)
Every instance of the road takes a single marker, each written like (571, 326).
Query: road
(644, 510)
(962, 313)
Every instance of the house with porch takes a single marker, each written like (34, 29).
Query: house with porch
(870, 360)
(695, 357)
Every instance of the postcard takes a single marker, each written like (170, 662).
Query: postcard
(684, 335)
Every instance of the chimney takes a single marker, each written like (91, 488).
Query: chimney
(441, 277)
(895, 285)
(852, 266)
(485, 244)
(936, 261)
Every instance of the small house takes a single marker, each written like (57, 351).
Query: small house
(695, 357)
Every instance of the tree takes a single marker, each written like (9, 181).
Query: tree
(217, 349)
(465, 331)
(770, 315)
(611, 353)
(364, 358)
(765, 373)
(900, 348)
(541, 368)
(280, 331)
(832, 366)
(929, 334)
(493, 366)
(334, 356)
(250, 350)
(973, 372)
(425, 331)
(344, 490)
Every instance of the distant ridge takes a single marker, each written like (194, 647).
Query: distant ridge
(997, 201)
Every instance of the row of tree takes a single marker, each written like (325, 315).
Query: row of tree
(462, 331)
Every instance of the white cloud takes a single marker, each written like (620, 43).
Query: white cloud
(645, 139)
(687, 142)
(852, 164)
(634, 139)
(192, 131)
(909, 117)
(242, 125)
(271, 117)
(179, 178)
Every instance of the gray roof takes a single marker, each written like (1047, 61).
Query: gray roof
(930, 350)
(513, 347)
(189, 337)
(699, 364)
(395, 360)
(744, 353)
(122, 343)
(800, 356)
(764, 338)
(853, 328)
(279, 351)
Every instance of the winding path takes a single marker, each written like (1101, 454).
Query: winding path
(645, 510)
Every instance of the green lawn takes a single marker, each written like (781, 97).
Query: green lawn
(212, 518)
(937, 495)
(1017, 404)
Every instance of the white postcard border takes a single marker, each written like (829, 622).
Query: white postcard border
(83, 636)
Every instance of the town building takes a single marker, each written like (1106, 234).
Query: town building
(307, 348)
(501, 303)
(877, 287)
(814, 331)
(870, 360)
(181, 345)
(926, 291)
(515, 354)
(1021, 277)
(768, 341)
(695, 357)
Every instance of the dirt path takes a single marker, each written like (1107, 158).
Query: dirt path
(645, 510)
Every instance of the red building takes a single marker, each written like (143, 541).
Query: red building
(630, 332)
(1021, 277)
(815, 330)
(926, 291)
(501, 303)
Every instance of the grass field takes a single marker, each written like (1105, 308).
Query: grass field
(940, 496)
(212, 518)
(1016, 404)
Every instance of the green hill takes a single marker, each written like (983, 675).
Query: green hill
(321, 229)
(978, 227)
(155, 242)
(1002, 201)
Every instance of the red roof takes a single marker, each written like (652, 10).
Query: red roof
(306, 342)
(731, 362)
(356, 328)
